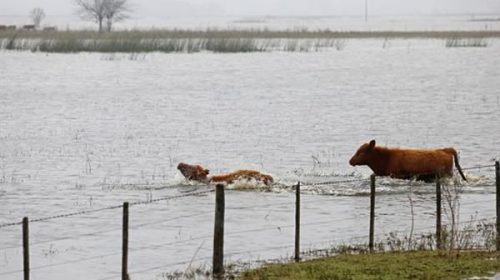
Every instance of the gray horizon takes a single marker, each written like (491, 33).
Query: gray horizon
(226, 8)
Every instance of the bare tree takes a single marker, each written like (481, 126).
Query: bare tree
(100, 10)
(37, 15)
(91, 10)
(115, 11)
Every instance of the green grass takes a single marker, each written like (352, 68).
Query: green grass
(396, 265)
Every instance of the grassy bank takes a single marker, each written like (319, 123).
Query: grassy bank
(190, 41)
(466, 253)
(395, 265)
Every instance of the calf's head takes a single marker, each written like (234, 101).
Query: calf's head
(363, 154)
(193, 172)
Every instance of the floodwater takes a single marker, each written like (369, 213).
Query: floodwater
(79, 132)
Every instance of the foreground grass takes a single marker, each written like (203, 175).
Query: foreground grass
(395, 265)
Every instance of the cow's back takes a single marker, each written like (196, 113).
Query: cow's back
(405, 163)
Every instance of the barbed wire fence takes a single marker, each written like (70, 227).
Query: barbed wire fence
(365, 238)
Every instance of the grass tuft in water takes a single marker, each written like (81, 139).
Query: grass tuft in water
(466, 43)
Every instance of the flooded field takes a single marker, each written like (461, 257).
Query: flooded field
(79, 132)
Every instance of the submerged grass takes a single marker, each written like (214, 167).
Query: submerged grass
(213, 40)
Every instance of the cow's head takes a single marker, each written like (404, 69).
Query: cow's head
(363, 154)
(193, 172)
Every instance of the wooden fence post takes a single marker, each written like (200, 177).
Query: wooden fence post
(26, 249)
(438, 213)
(125, 242)
(372, 212)
(497, 176)
(297, 222)
(218, 256)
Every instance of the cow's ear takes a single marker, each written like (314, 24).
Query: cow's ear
(372, 144)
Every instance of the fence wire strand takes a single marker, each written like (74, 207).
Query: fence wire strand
(338, 182)
(62, 263)
(96, 233)
(143, 202)
(479, 167)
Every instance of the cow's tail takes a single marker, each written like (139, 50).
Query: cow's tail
(457, 165)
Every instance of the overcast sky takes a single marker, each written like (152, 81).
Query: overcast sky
(169, 8)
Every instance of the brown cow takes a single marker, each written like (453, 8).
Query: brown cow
(200, 174)
(407, 163)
